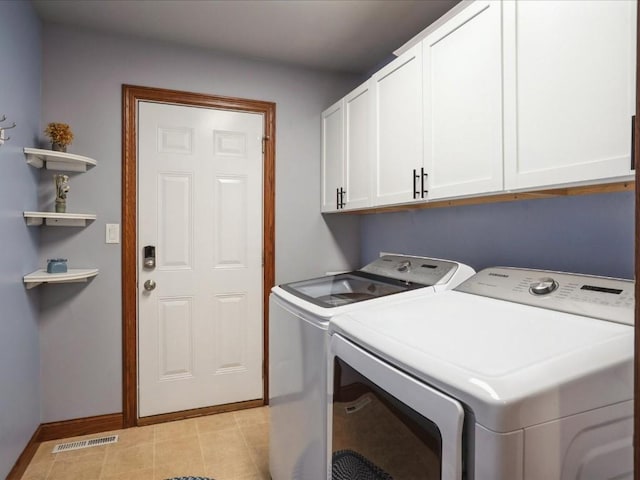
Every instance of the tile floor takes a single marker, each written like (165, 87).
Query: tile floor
(226, 446)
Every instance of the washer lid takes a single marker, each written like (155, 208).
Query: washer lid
(514, 365)
(376, 282)
(346, 288)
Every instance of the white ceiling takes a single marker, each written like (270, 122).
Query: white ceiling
(341, 35)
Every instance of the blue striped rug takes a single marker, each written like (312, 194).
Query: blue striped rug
(190, 478)
(350, 465)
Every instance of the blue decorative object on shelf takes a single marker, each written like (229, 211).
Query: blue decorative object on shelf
(57, 265)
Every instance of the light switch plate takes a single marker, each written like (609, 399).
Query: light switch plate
(112, 233)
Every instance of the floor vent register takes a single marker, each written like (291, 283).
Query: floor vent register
(93, 442)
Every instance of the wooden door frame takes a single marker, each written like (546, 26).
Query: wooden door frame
(131, 95)
(636, 155)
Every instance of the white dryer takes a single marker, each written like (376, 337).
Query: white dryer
(514, 375)
(299, 315)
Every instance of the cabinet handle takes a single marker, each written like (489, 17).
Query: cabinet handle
(340, 198)
(423, 178)
(416, 193)
(633, 142)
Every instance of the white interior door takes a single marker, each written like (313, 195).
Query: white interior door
(200, 204)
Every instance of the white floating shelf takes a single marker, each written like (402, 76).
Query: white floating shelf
(73, 275)
(38, 158)
(58, 219)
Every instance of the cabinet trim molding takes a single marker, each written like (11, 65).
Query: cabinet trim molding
(504, 197)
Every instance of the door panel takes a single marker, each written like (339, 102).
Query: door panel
(175, 140)
(332, 155)
(357, 169)
(463, 103)
(231, 348)
(569, 91)
(200, 204)
(231, 220)
(175, 230)
(398, 147)
(176, 332)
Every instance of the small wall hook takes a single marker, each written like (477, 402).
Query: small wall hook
(3, 138)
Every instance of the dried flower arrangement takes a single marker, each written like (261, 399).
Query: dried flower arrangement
(59, 133)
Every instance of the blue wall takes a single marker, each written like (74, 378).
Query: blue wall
(585, 234)
(20, 75)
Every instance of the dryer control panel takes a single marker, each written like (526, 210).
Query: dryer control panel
(605, 298)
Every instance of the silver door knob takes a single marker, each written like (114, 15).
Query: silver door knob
(149, 285)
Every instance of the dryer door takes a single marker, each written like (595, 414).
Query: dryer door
(386, 425)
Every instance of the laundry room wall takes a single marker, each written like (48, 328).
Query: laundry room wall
(591, 234)
(83, 73)
(19, 347)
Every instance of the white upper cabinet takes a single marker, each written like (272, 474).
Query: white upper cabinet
(346, 147)
(569, 91)
(357, 144)
(463, 103)
(332, 156)
(397, 130)
(498, 96)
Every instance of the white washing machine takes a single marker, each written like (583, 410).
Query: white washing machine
(299, 314)
(514, 375)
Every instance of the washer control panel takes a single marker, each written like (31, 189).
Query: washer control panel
(605, 298)
(426, 271)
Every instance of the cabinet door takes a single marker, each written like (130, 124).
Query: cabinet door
(332, 155)
(357, 140)
(397, 128)
(463, 103)
(569, 91)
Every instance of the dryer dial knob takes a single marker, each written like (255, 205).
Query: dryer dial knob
(543, 286)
